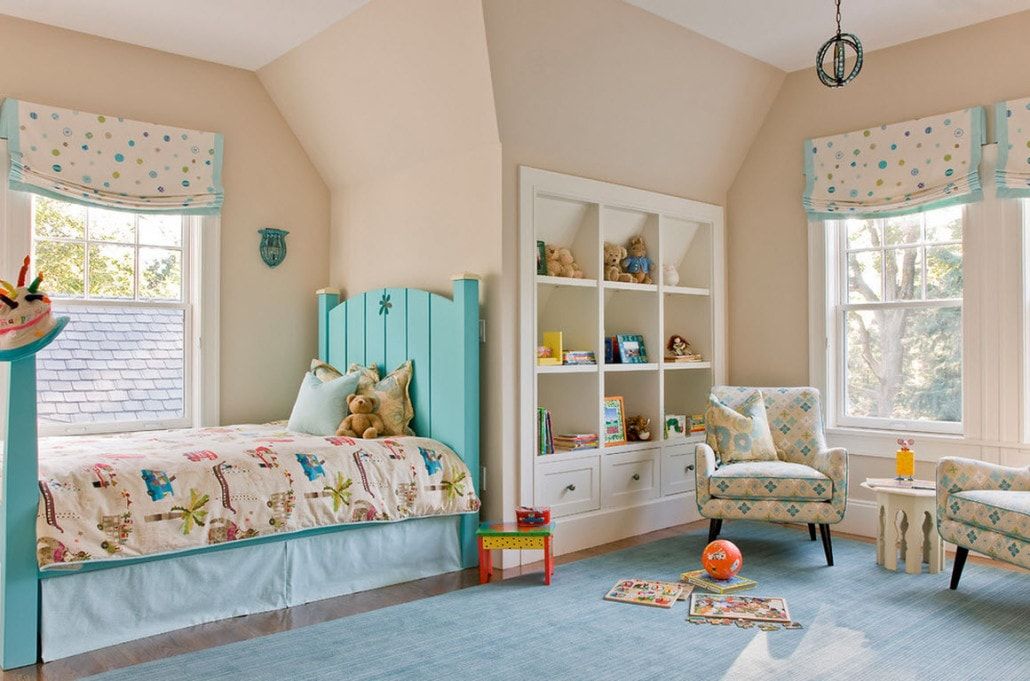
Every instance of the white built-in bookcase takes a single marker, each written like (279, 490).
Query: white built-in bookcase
(612, 492)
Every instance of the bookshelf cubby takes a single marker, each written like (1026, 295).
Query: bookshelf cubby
(634, 486)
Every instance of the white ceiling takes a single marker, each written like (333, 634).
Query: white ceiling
(251, 33)
(787, 33)
(243, 33)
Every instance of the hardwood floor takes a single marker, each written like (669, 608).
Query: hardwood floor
(252, 626)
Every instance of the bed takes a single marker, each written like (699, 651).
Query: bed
(127, 536)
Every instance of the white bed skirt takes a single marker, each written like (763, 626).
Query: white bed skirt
(94, 610)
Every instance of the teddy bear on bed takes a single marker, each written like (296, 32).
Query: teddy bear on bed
(362, 422)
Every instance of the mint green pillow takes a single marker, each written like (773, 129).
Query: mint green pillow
(742, 434)
(321, 406)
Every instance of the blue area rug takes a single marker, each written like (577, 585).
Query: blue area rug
(861, 622)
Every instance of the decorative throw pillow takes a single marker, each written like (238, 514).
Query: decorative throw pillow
(326, 372)
(395, 406)
(742, 435)
(321, 406)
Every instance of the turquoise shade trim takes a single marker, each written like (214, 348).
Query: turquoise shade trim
(972, 197)
(887, 143)
(17, 185)
(30, 171)
(1001, 132)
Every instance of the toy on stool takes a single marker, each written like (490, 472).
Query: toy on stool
(530, 516)
(25, 314)
(722, 559)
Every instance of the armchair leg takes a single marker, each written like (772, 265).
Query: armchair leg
(811, 531)
(960, 562)
(824, 531)
(714, 528)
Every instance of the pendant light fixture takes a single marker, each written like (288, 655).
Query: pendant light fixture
(840, 44)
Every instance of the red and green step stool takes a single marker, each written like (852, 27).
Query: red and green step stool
(492, 536)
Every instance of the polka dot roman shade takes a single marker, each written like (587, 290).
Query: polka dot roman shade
(895, 169)
(1012, 128)
(111, 162)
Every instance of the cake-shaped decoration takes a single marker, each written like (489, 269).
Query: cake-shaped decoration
(25, 314)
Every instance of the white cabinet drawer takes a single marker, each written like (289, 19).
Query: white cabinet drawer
(568, 486)
(630, 478)
(678, 469)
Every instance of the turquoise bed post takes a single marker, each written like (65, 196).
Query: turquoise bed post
(466, 301)
(19, 573)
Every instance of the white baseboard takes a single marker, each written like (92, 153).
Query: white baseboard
(586, 530)
(859, 518)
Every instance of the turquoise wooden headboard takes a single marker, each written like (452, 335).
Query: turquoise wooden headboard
(441, 337)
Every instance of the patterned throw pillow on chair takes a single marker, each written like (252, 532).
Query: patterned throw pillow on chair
(740, 436)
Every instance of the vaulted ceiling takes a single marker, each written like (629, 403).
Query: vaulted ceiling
(787, 33)
(252, 33)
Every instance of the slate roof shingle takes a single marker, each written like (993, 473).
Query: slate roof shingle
(119, 364)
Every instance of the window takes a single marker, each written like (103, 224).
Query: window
(898, 320)
(125, 360)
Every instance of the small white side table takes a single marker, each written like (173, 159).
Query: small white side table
(918, 536)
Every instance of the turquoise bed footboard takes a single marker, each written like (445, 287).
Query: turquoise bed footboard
(441, 337)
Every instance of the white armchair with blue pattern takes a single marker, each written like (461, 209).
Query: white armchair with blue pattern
(807, 484)
(984, 507)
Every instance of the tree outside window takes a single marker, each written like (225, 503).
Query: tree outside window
(901, 317)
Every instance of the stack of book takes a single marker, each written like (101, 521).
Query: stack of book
(545, 436)
(702, 579)
(579, 357)
(576, 441)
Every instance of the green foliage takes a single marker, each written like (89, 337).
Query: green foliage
(905, 363)
(63, 232)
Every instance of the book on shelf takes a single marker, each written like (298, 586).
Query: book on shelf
(579, 357)
(545, 435)
(576, 441)
(702, 579)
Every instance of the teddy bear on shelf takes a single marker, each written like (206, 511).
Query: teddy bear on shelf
(613, 256)
(560, 263)
(362, 422)
(637, 264)
(638, 429)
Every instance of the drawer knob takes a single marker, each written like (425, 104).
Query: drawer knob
(570, 488)
(689, 468)
(636, 476)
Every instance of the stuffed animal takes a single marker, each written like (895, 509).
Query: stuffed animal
(670, 275)
(560, 263)
(637, 264)
(638, 429)
(613, 256)
(362, 422)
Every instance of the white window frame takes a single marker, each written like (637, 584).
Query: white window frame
(838, 308)
(201, 246)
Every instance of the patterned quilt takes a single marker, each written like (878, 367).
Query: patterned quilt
(121, 496)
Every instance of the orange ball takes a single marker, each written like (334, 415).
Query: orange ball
(722, 559)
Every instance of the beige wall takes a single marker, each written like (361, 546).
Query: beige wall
(395, 107)
(268, 323)
(767, 234)
(601, 89)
